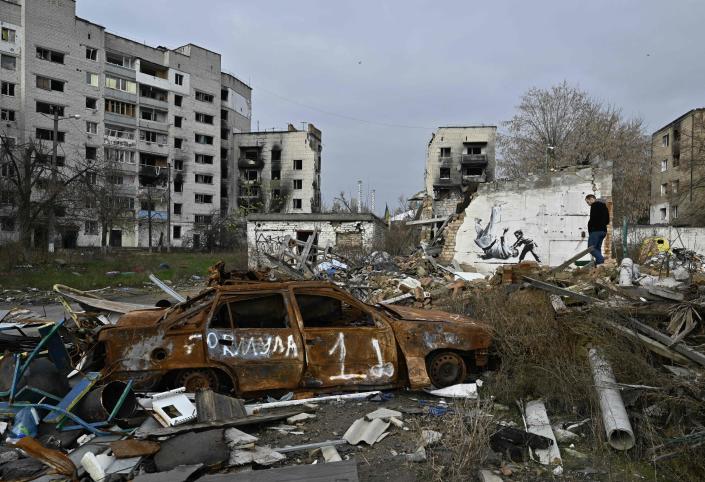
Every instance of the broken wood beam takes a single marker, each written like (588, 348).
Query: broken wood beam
(542, 285)
(682, 348)
(568, 262)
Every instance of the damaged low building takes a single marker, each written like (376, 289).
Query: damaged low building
(458, 159)
(540, 218)
(340, 231)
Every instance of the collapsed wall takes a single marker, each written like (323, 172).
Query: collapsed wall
(544, 217)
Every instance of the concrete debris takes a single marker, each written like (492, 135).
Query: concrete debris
(257, 455)
(430, 437)
(537, 422)
(463, 390)
(367, 431)
(417, 456)
(564, 436)
(238, 438)
(330, 454)
(383, 413)
(301, 417)
(488, 476)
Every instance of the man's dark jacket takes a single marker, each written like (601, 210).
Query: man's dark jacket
(599, 217)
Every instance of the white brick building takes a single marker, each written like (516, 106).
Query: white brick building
(342, 231)
(145, 107)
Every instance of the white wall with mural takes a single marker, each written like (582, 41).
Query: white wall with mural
(540, 218)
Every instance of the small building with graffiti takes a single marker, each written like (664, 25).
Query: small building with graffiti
(270, 235)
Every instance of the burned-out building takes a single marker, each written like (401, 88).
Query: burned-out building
(677, 171)
(458, 159)
(277, 171)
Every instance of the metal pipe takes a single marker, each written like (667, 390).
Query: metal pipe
(614, 416)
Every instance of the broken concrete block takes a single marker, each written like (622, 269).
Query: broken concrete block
(330, 454)
(383, 413)
(488, 476)
(564, 436)
(191, 448)
(408, 285)
(238, 438)
(365, 431)
(396, 422)
(301, 417)
(257, 455)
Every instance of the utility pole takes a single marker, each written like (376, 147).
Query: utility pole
(149, 216)
(51, 221)
(168, 208)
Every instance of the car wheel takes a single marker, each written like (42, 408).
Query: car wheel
(197, 378)
(447, 368)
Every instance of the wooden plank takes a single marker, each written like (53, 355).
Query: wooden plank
(426, 221)
(542, 285)
(198, 427)
(568, 262)
(682, 348)
(345, 471)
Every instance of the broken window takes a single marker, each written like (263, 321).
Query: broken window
(445, 152)
(8, 35)
(298, 184)
(91, 228)
(92, 79)
(276, 174)
(674, 186)
(264, 311)
(322, 311)
(664, 213)
(224, 94)
(176, 233)
(298, 164)
(91, 152)
(8, 88)
(203, 139)
(91, 53)
(674, 212)
(7, 224)
(119, 59)
(664, 165)
(50, 55)
(202, 219)
(7, 115)
(664, 141)
(204, 179)
(178, 99)
(177, 121)
(445, 173)
(204, 118)
(200, 198)
(664, 189)
(91, 103)
(177, 208)
(48, 135)
(204, 97)
(120, 108)
(250, 175)
(276, 154)
(204, 159)
(46, 108)
(297, 203)
(91, 127)
(8, 62)
(45, 83)
(179, 79)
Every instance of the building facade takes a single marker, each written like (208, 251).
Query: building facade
(278, 171)
(458, 159)
(678, 171)
(148, 111)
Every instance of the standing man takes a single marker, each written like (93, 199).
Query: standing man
(597, 226)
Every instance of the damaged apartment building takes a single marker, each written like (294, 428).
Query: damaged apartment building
(458, 159)
(164, 118)
(278, 171)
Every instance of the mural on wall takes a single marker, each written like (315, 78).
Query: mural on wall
(494, 247)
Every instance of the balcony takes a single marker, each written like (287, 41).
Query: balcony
(117, 138)
(155, 125)
(244, 163)
(470, 178)
(474, 160)
(158, 148)
(445, 183)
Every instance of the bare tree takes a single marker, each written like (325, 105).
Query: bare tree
(565, 126)
(34, 185)
(105, 199)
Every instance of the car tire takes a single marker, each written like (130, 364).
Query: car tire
(197, 378)
(446, 368)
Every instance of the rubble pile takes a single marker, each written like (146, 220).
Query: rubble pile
(583, 362)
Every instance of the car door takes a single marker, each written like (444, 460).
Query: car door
(257, 336)
(347, 342)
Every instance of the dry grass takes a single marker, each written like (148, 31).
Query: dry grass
(465, 444)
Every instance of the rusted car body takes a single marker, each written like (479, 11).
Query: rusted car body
(248, 337)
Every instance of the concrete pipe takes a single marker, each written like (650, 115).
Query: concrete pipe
(614, 416)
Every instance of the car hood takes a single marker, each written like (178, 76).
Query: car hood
(418, 314)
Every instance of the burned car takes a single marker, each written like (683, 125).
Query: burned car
(248, 337)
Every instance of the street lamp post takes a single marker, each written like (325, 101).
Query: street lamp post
(168, 208)
(51, 221)
(547, 149)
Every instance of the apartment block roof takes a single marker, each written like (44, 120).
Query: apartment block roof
(691, 111)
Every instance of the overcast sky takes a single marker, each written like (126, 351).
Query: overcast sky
(377, 77)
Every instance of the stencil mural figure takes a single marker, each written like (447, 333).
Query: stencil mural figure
(493, 247)
(498, 248)
(528, 244)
